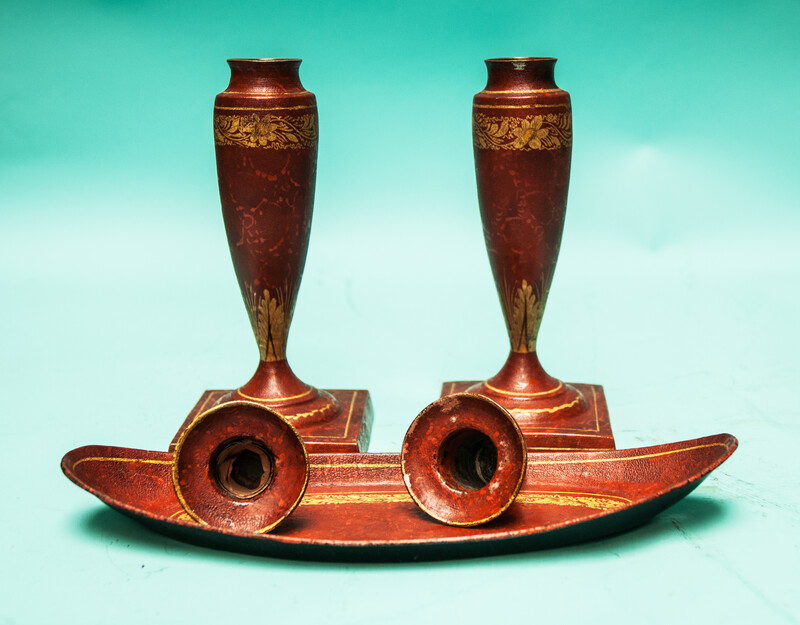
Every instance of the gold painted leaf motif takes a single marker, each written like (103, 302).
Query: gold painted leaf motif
(270, 321)
(534, 132)
(276, 132)
(524, 311)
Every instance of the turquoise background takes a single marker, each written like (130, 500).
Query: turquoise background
(676, 287)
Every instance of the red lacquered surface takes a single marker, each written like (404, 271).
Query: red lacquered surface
(266, 135)
(349, 431)
(556, 431)
(463, 460)
(522, 136)
(240, 466)
(356, 506)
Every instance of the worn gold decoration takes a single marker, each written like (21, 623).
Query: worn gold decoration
(584, 500)
(317, 499)
(182, 515)
(551, 410)
(270, 320)
(524, 310)
(277, 132)
(534, 132)
(112, 459)
(305, 393)
(308, 413)
(550, 391)
(594, 501)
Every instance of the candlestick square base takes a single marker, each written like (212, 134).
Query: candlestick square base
(586, 431)
(349, 431)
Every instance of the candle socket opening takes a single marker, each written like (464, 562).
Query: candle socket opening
(467, 460)
(243, 468)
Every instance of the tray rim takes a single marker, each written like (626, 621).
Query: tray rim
(174, 526)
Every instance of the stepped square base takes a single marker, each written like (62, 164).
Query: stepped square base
(349, 431)
(590, 430)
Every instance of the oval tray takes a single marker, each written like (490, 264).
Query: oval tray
(357, 508)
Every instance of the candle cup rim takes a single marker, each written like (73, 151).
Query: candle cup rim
(517, 59)
(265, 60)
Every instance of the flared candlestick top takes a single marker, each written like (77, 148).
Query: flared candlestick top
(267, 76)
(520, 73)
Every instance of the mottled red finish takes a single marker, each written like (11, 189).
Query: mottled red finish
(589, 431)
(235, 471)
(463, 460)
(356, 506)
(267, 172)
(348, 432)
(201, 485)
(522, 127)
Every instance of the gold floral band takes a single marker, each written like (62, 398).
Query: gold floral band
(276, 132)
(534, 132)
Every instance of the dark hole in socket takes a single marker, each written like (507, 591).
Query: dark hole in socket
(467, 460)
(243, 468)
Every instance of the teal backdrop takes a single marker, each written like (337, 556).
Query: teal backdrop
(677, 288)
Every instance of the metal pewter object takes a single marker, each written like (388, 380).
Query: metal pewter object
(522, 136)
(463, 460)
(241, 467)
(266, 135)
